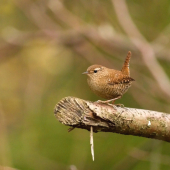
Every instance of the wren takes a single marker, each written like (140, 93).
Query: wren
(108, 83)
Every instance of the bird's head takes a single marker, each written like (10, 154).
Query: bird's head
(95, 71)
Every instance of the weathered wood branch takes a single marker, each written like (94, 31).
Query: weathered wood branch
(79, 113)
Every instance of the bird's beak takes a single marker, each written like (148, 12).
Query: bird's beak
(85, 72)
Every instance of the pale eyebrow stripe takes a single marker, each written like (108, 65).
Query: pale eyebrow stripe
(97, 69)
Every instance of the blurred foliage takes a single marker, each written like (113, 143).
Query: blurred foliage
(44, 48)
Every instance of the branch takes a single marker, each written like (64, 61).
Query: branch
(79, 113)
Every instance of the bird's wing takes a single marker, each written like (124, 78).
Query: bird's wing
(119, 80)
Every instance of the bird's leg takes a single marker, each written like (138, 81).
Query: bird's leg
(118, 105)
(107, 101)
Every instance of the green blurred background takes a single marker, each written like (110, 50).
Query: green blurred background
(45, 45)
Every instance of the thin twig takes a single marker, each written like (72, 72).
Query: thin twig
(91, 142)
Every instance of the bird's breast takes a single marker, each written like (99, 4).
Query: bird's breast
(102, 88)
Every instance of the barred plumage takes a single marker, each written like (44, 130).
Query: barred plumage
(109, 83)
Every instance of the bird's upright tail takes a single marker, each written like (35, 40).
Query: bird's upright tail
(125, 69)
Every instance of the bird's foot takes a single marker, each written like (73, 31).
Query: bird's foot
(112, 102)
(120, 105)
(108, 101)
(105, 102)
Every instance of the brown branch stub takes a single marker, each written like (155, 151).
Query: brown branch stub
(83, 114)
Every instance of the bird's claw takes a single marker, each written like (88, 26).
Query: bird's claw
(120, 105)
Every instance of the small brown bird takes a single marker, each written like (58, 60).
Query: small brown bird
(109, 83)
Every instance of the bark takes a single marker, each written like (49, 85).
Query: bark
(79, 113)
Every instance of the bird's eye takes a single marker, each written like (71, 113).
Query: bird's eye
(95, 71)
